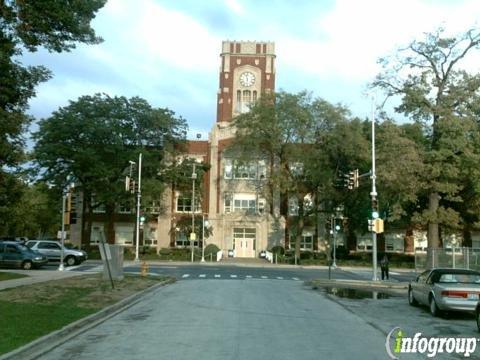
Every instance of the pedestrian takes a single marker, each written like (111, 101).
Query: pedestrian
(384, 267)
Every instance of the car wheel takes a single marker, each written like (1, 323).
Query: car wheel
(411, 298)
(27, 265)
(70, 261)
(434, 310)
(477, 316)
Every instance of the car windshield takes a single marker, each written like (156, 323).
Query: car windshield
(460, 278)
(23, 248)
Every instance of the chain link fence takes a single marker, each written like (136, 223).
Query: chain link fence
(456, 258)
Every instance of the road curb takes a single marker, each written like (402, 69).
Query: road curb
(42, 345)
(360, 283)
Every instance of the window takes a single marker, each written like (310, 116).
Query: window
(394, 243)
(251, 170)
(293, 205)
(243, 203)
(154, 207)
(124, 234)
(184, 203)
(182, 241)
(364, 244)
(151, 236)
(125, 208)
(50, 246)
(306, 243)
(96, 234)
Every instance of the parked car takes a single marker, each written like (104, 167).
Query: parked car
(477, 315)
(262, 254)
(13, 254)
(445, 290)
(21, 239)
(52, 250)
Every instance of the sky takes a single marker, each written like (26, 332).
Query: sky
(167, 52)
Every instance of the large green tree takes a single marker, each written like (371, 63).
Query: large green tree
(438, 94)
(56, 25)
(284, 128)
(92, 141)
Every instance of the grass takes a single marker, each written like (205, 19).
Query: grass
(9, 276)
(29, 312)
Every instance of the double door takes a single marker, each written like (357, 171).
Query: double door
(244, 242)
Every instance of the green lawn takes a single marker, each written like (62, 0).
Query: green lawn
(9, 275)
(29, 312)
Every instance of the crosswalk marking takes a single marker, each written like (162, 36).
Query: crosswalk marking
(217, 275)
(185, 275)
(233, 276)
(202, 275)
(295, 278)
(249, 276)
(264, 277)
(279, 277)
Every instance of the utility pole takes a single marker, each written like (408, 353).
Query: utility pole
(192, 234)
(139, 197)
(374, 194)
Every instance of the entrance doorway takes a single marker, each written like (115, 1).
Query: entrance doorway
(244, 242)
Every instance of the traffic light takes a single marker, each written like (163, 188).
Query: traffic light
(374, 209)
(131, 185)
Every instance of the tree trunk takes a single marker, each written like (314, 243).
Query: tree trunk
(433, 228)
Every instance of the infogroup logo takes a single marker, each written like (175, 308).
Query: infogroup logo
(398, 343)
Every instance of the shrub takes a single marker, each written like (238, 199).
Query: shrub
(211, 249)
(306, 255)
(278, 249)
(165, 251)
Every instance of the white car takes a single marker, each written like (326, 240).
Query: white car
(53, 249)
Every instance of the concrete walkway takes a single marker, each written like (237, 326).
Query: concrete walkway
(36, 276)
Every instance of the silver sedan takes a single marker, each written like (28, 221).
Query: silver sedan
(445, 290)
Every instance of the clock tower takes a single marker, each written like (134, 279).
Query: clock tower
(247, 70)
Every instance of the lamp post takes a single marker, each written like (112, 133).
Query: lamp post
(65, 191)
(374, 194)
(334, 233)
(139, 197)
(192, 234)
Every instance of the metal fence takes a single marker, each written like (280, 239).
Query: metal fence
(459, 258)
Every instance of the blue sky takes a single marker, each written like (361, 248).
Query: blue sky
(167, 52)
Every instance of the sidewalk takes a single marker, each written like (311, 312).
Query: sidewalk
(36, 276)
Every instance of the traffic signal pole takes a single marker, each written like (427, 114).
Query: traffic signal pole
(374, 194)
(139, 197)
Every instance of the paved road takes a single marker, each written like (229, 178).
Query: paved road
(249, 319)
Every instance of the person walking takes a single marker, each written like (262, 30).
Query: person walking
(384, 267)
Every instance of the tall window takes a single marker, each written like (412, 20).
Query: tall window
(243, 203)
(184, 203)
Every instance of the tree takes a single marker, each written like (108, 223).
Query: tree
(92, 141)
(283, 129)
(56, 25)
(439, 95)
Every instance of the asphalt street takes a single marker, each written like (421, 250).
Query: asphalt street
(250, 319)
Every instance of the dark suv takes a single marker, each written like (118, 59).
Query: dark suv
(13, 254)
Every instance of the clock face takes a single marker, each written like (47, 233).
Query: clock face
(247, 79)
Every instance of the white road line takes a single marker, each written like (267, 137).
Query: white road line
(280, 277)
(233, 276)
(217, 275)
(394, 273)
(264, 277)
(202, 275)
(249, 276)
(295, 278)
(185, 275)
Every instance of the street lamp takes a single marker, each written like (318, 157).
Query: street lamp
(65, 191)
(192, 234)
